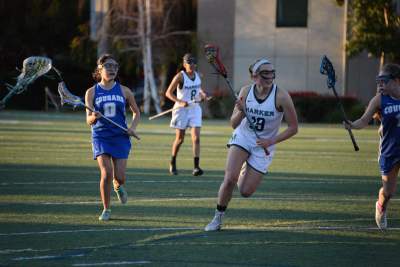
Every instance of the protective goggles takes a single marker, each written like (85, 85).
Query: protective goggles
(110, 66)
(267, 74)
(384, 78)
(190, 61)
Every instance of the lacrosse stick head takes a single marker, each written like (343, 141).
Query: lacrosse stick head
(67, 97)
(326, 68)
(212, 54)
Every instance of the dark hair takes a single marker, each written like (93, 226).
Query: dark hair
(392, 69)
(188, 56)
(100, 61)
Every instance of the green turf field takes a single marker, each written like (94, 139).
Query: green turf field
(314, 208)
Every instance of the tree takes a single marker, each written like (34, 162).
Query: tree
(135, 27)
(374, 27)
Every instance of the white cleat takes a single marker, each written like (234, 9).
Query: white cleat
(121, 194)
(380, 217)
(105, 215)
(216, 223)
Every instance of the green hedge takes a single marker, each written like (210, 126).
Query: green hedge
(310, 106)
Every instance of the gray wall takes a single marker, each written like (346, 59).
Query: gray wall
(295, 52)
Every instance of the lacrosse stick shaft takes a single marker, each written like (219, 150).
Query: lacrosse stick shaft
(172, 109)
(112, 122)
(353, 140)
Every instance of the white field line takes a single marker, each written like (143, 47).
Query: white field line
(118, 263)
(268, 228)
(14, 122)
(45, 257)
(298, 180)
(272, 198)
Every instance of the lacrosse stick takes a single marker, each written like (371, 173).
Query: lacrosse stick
(326, 68)
(212, 55)
(32, 68)
(68, 98)
(175, 108)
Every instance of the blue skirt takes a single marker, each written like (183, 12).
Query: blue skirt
(117, 147)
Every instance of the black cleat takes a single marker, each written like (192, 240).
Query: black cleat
(197, 172)
(172, 170)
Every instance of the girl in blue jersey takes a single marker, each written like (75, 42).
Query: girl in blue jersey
(249, 157)
(111, 145)
(387, 102)
(187, 83)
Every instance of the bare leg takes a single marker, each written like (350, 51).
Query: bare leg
(249, 181)
(236, 158)
(196, 141)
(106, 175)
(388, 189)
(179, 138)
(119, 172)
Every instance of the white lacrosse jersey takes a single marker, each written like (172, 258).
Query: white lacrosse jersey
(264, 115)
(190, 89)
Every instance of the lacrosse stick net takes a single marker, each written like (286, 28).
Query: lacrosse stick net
(32, 68)
(212, 54)
(326, 68)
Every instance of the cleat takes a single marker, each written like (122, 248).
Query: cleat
(105, 215)
(216, 223)
(172, 170)
(121, 194)
(380, 216)
(197, 172)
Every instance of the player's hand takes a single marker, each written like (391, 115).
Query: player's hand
(132, 132)
(183, 103)
(264, 143)
(239, 104)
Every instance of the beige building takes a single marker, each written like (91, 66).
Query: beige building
(293, 34)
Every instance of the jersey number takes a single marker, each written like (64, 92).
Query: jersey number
(109, 109)
(259, 123)
(192, 95)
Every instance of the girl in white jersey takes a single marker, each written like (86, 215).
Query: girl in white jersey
(189, 94)
(249, 157)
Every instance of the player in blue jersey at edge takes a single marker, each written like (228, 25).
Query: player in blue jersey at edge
(249, 157)
(387, 102)
(111, 145)
(189, 92)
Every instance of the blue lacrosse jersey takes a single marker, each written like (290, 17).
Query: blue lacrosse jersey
(106, 137)
(390, 140)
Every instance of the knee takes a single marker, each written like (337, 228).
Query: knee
(106, 174)
(196, 140)
(179, 140)
(245, 192)
(229, 183)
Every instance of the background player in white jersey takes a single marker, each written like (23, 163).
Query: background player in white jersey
(187, 83)
(111, 145)
(248, 157)
(387, 103)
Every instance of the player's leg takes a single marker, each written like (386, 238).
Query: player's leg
(119, 179)
(197, 171)
(249, 180)
(106, 175)
(388, 189)
(179, 138)
(235, 159)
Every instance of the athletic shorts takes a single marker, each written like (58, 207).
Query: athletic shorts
(183, 118)
(386, 164)
(257, 159)
(117, 147)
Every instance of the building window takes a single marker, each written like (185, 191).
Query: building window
(291, 13)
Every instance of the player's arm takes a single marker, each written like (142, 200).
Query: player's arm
(239, 109)
(91, 117)
(178, 79)
(362, 122)
(130, 99)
